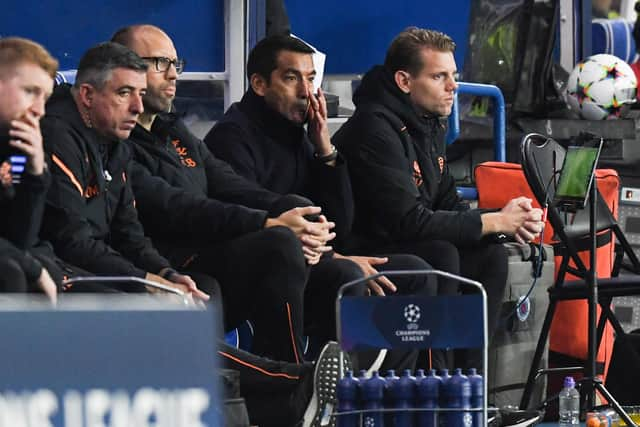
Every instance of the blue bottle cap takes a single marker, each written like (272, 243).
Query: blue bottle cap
(569, 382)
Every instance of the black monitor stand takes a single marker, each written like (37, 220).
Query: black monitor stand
(590, 383)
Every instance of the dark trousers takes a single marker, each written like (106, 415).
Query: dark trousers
(276, 392)
(262, 276)
(12, 277)
(322, 289)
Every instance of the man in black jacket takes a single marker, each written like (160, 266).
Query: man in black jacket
(90, 214)
(190, 202)
(187, 202)
(26, 81)
(405, 196)
(263, 138)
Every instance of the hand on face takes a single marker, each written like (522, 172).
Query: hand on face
(22, 104)
(317, 122)
(26, 137)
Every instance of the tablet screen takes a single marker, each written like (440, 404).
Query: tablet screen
(576, 177)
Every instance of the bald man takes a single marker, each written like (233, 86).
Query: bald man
(195, 208)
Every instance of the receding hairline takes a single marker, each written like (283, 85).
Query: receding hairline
(127, 35)
(279, 54)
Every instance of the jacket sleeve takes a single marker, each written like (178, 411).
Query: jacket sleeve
(128, 236)
(164, 206)
(228, 141)
(26, 210)
(64, 223)
(447, 197)
(385, 185)
(227, 184)
(234, 179)
(330, 188)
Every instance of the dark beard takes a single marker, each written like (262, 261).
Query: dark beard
(153, 105)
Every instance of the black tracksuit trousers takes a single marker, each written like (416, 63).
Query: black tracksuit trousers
(276, 393)
(262, 276)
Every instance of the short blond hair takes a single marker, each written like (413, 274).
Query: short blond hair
(404, 51)
(17, 50)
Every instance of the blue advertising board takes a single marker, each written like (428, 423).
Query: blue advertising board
(411, 322)
(126, 366)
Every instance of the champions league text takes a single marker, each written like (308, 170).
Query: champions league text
(416, 335)
(104, 408)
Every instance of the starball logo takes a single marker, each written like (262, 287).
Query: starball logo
(412, 313)
(413, 332)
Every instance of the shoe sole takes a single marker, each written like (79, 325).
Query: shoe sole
(330, 367)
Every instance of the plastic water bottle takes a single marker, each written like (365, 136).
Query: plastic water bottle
(427, 397)
(362, 377)
(391, 378)
(444, 374)
(419, 376)
(477, 391)
(403, 393)
(372, 399)
(569, 404)
(347, 393)
(458, 392)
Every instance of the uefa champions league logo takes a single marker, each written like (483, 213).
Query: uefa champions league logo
(413, 332)
(412, 315)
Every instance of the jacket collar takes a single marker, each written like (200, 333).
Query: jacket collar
(63, 106)
(160, 129)
(103, 152)
(269, 121)
(379, 87)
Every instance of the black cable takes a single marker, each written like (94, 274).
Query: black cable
(540, 261)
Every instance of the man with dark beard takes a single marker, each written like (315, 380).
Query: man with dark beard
(264, 138)
(186, 199)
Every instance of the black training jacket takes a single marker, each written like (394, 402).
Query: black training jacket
(90, 215)
(21, 204)
(266, 148)
(402, 187)
(185, 194)
(21, 210)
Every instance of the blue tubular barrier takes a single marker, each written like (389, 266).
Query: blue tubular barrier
(499, 116)
(453, 130)
(499, 127)
(468, 193)
(65, 76)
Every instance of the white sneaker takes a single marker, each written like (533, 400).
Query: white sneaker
(330, 367)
